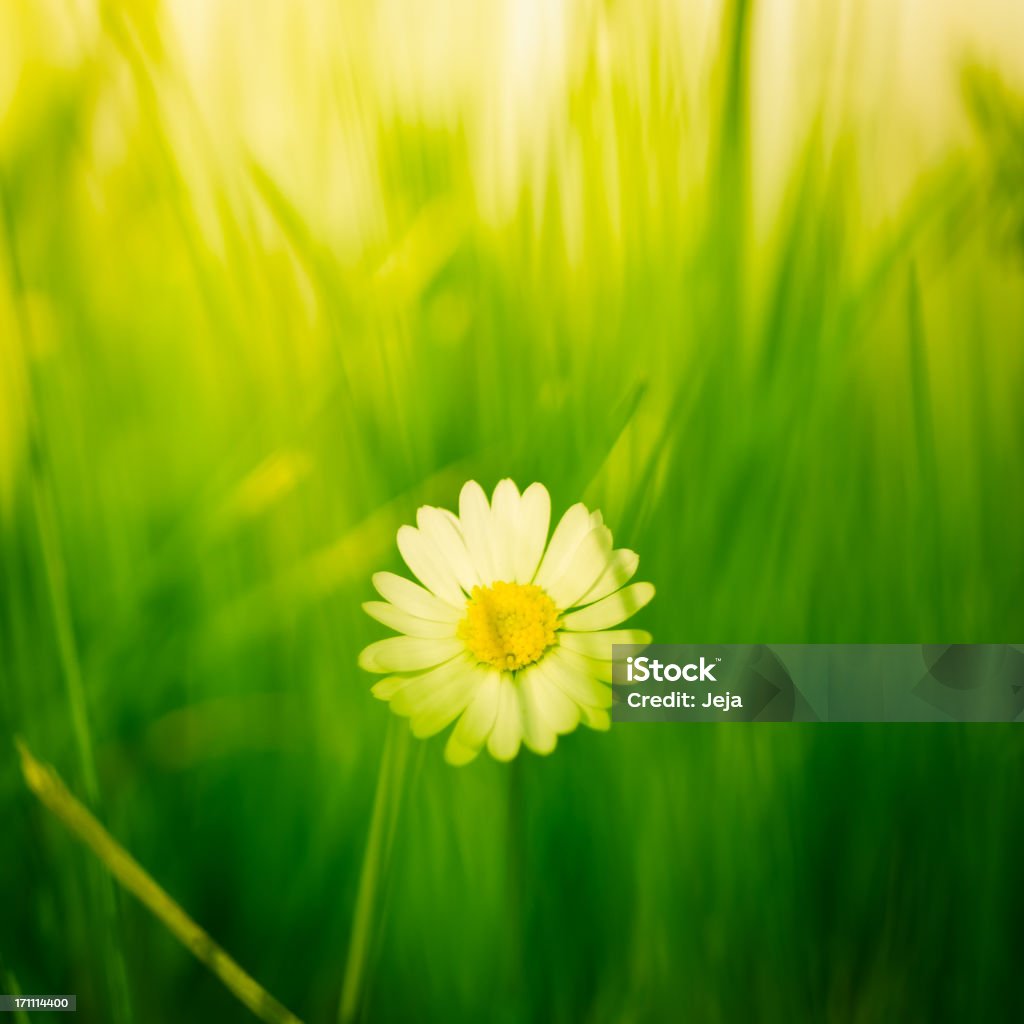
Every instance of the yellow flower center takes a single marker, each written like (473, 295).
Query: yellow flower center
(508, 625)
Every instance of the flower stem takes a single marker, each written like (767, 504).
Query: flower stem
(365, 919)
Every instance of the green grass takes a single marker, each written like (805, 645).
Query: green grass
(249, 322)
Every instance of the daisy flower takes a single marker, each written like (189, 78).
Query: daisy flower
(510, 631)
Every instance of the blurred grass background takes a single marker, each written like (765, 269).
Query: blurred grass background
(748, 276)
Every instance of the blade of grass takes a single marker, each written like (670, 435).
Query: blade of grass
(48, 787)
(12, 988)
(66, 644)
(365, 924)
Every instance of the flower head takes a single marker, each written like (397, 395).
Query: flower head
(510, 631)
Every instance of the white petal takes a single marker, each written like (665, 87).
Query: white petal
(403, 622)
(436, 710)
(581, 571)
(443, 532)
(538, 734)
(475, 521)
(414, 600)
(572, 528)
(610, 611)
(562, 713)
(429, 565)
(505, 528)
(599, 645)
(571, 672)
(405, 689)
(534, 519)
(476, 723)
(599, 668)
(439, 716)
(407, 654)
(596, 718)
(437, 687)
(385, 689)
(507, 734)
(621, 569)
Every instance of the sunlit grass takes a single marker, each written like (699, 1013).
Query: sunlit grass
(270, 283)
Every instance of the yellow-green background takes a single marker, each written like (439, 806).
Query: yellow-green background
(749, 277)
